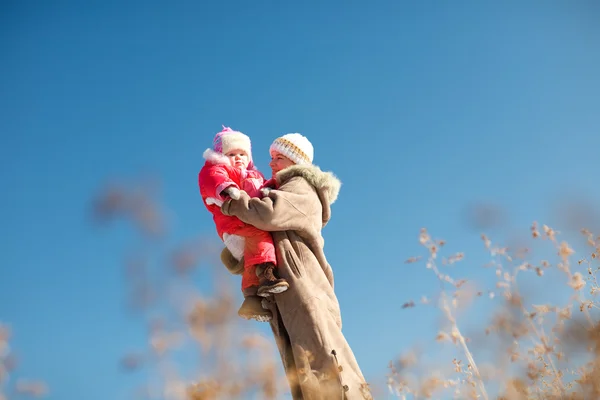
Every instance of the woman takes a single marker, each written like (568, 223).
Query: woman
(306, 319)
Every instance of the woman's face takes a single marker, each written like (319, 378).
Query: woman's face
(279, 162)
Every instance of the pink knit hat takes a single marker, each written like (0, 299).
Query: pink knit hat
(228, 140)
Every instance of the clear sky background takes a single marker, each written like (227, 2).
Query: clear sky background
(422, 109)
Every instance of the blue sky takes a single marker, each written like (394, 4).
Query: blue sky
(420, 108)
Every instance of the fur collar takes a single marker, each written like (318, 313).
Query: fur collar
(326, 182)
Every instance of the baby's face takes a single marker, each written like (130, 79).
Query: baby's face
(238, 158)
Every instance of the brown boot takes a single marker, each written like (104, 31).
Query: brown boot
(269, 283)
(252, 306)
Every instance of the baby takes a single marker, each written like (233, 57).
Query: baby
(227, 170)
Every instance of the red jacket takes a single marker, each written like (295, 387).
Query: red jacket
(216, 175)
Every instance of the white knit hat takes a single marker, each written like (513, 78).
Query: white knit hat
(295, 147)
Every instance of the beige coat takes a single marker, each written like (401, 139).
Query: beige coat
(307, 324)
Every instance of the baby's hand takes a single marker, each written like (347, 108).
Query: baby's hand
(233, 192)
(265, 191)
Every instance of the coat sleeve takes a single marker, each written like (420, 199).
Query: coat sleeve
(213, 180)
(285, 209)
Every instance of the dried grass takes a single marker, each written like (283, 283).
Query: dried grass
(527, 351)
(539, 351)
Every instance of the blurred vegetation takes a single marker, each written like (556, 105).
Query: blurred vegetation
(521, 350)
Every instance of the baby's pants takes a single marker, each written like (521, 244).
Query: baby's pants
(258, 249)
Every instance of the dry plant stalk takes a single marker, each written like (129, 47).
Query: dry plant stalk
(8, 363)
(542, 351)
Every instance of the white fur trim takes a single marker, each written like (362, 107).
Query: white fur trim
(235, 244)
(215, 157)
(212, 200)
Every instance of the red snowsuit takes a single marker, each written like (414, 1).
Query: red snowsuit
(255, 245)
